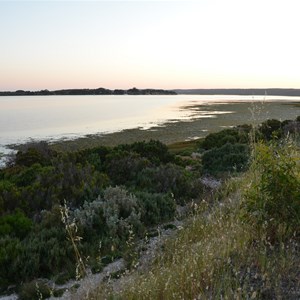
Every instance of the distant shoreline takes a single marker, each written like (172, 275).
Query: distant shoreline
(240, 92)
(99, 91)
(135, 91)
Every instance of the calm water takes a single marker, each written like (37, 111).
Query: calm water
(56, 117)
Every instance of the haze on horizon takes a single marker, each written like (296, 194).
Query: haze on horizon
(149, 44)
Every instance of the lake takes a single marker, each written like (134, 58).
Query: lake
(68, 117)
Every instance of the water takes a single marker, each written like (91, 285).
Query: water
(55, 117)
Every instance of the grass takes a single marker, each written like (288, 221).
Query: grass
(183, 147)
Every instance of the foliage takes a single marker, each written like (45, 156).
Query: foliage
(272, 200)
(10, 249)
(169, 178)
(123, 167)
(154, 151)
(39, 180)
(227, 158)
(33, 153)
(226, 151)
(270, 129)
(121, 212)
(227, 136)
(15, 225)
(156, 208)
(217, 255)
(115, 194)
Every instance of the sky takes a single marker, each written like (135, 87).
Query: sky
(149, 44)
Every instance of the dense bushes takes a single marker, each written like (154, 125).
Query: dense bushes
(111, 193)
(229, 150)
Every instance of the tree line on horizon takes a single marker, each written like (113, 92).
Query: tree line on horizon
(98, 91)
(135, 91)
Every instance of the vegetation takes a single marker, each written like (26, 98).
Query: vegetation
(99, 91)
(100, 201)
(243, 245)
(106, 192)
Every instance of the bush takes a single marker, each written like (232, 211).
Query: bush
(169, 178)
(17, 225)
(42, 253)
(121, 212)
(272, 200)
(154, 151)
(270, 129)
(156, 208)
(10, 249)
(227, 158)
(123, 167)
(32, 153)
(226, 136)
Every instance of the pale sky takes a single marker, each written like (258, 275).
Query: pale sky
(149, 44)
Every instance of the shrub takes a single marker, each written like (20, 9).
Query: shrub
(10, 249)
(123, 167)
(121, 212)
(32, 153)
(227, 158)
(42, 253)
(272, 200)
(226, 136)
(156, 208)
(169, 178)
(270, 129)
(154, 151)
(16, 224)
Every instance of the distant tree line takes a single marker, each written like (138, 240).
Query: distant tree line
(99, 91)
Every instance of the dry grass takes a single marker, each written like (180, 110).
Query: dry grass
(216, 256)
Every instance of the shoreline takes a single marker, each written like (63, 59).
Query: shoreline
(204, 119)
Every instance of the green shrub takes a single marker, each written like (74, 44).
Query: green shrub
(227, 136)
(273, 198)
(154, 151)
(9, 196)
(156, 208)
(270, 129)
(10, 249)
(169, 178)
(33, 153)
(42, 253)
(123, 167)
(227, 158)
(16, 224)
